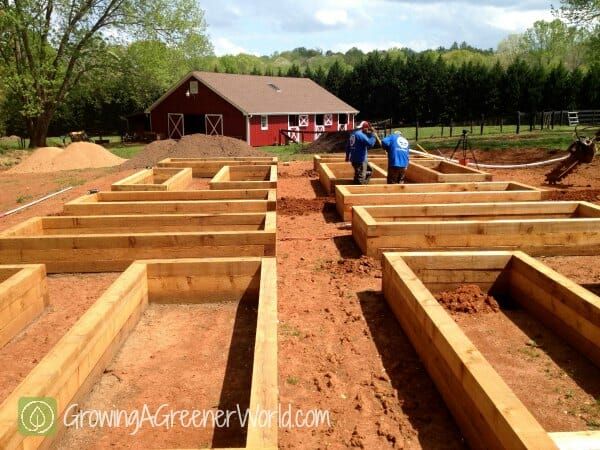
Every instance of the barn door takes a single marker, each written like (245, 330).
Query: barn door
(214, 124)
(175, 125)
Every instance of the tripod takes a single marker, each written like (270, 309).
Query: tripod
(464, 144)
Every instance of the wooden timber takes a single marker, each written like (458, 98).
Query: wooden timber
(335, 174)
(208, 167)
(173, 202)
(23, 297)
(538, 228)
(111, 243)
(408, 194)
(77, 361)
(157, 179)
(436, 171)
(486, 409)
(245, 177)
(377, 156)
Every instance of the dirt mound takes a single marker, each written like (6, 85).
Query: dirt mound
(362, 267)
(330, 142)
(467, 299)
(192, 146)
(79, 155)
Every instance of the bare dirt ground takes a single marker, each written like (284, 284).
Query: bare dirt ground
(340, 348)
(186, 356)
(70, 296)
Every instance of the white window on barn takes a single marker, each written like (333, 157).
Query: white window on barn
(303, 120)
(328, 120)
(193, 87)
(293, 120)
(264, 122)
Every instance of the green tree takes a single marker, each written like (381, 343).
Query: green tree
(49, 46)
(335, 78)
(294, 71)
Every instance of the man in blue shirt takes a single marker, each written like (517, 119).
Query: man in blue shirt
(359, 143)
(397, 148)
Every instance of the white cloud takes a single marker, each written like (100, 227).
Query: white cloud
(224, 46)
(514, 21)
(332, 17)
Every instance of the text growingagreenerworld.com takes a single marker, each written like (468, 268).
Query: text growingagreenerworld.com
(39, 417)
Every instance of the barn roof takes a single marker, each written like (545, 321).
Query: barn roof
(255, 94)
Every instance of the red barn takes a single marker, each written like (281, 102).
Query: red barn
(248, 107)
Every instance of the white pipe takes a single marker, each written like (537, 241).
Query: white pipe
(496, 166)
(39, 200)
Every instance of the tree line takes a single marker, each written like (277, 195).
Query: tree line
(63, 67)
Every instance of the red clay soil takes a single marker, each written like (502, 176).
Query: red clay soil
(70, 297)
(467, 299)
(186, 356)
(559, 386)
(340, 347)
(191, 146)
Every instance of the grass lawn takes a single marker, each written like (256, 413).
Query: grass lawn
(287, 152)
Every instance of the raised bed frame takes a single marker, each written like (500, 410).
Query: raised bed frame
(245, 177)
(23, 297)
(374, 155)
(409, 194)
(538, 228)
(488, 412)
(436, 171)
(335, 174)
(173, 202)
(157, 179)
(208, 167)
(76, 362)
(111, 243)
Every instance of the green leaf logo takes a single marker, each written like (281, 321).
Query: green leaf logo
(37, 416)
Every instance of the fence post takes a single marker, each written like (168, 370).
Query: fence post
(501, 123)
(531, 121)
(417, 131)
(451, 126)
(471, 126)
(442, 130)
(552, 120)
(481, 129)
(518, 122)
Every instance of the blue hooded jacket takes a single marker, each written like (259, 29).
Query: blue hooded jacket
(397, 148)
(358, 145)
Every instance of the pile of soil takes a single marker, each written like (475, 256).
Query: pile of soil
(9, 141)
(191, 146)
(361, 267)
(79, 155)
(330, 142)
(467, 299)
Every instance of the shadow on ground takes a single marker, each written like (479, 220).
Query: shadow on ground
(420, 400)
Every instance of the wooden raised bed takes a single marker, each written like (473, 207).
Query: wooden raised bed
(111, 243)
(377, 156)
(158, 179)
(208, 167)
(245, 177)
(488, 412)
(408, 194)
(75, 363)
(173, 202)
(538, 228)
(435, 171)
(335, 174)
(23, 297)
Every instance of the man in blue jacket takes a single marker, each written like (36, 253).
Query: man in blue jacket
(359, 143)
(398, 149)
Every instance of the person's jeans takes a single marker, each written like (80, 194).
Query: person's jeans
(396, 175)
(362, 172)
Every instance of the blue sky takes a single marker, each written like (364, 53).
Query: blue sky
(264, 26)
